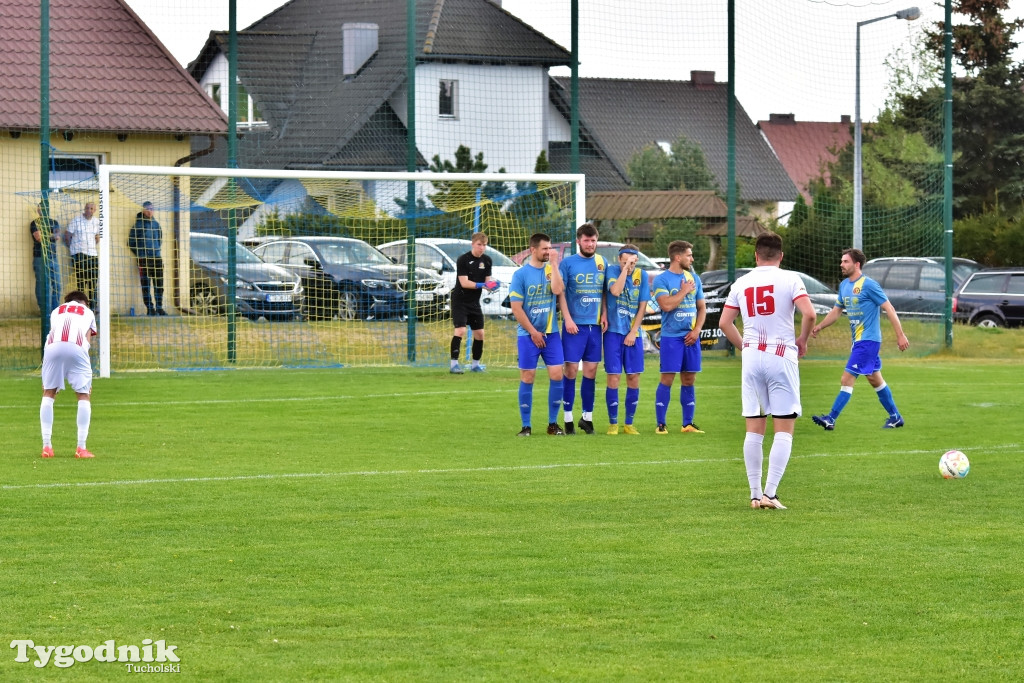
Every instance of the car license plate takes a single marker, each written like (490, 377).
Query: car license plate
(276, 298)
(424, 296)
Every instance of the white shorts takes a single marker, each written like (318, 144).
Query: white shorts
(65, 360)
(771, 384)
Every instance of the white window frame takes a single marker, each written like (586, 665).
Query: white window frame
(453, 96)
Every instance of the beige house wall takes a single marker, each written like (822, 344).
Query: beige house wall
(19, 195)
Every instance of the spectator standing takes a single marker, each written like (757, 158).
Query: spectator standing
(45, 233)
(144, 240)
(83, 237)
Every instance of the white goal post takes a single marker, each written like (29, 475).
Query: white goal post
(108, 173)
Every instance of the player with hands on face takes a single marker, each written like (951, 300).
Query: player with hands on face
(625, 303)
(680, 296)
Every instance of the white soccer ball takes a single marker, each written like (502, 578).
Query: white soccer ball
(954, 465)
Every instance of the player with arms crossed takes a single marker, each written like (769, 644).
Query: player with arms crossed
(66, 357)
(533, 294)
(581, 303)
(474, 273)
(766, 298)
(625, 303)
(680, 296)
(862, 298)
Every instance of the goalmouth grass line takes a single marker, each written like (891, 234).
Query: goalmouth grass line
(454, 470)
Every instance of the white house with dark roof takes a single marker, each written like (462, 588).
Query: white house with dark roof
(327, 84)
(325, 88)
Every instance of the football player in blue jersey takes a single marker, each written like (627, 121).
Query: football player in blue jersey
(533, 294)
(625, 303)
(583, 274)
(862, 298)
(680, 296)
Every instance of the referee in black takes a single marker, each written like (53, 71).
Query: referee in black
(473, 270)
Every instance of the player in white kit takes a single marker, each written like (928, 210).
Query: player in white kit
(766, 298)
(66, 357)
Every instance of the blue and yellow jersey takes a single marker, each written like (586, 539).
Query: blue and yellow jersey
(622, 309)
(679, 322)
(862, 299)
(584, 286)
(532, 287)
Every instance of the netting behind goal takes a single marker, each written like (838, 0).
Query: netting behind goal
(328, 269)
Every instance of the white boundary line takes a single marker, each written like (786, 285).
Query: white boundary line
(273, 399)
(453, 470)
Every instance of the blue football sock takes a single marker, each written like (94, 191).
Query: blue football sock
(632, 401)
(554, 400)
(611, 399)
(661, 399)
(587, 391)
(688, 397)
(568, 393)
(885, 398)
(841, 400)
(525, 402)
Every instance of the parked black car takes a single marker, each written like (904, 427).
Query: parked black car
(261, 290)
(916, 286)
(349, 279)
(993, 297)
(717, 283)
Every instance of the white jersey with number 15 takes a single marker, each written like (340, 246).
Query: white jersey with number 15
(765, 298)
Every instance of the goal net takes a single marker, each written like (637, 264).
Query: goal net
(211, 268)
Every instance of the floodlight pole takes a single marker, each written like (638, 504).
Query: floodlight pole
(909, 14)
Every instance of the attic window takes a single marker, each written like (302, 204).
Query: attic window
(447, 103)
(359, 44)
(213, 90)
(248, 112)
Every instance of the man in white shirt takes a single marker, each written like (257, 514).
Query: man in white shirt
(82, 237)
(66, 357)
(766, 298)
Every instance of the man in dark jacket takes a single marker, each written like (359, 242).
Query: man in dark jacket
(144, 242)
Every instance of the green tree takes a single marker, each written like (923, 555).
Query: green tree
(988, 108)
(684, 168)
(460, 194)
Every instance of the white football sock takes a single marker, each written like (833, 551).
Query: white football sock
(753, 456)
(84, 417)
(778, 458)
(46, 419)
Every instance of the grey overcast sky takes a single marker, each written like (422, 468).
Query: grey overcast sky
(792, 56)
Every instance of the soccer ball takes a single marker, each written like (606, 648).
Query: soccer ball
(954, 465)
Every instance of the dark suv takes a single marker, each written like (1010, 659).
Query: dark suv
(993, 297)
(916, 286)
(349, 279)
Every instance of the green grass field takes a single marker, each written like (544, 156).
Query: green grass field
(385, 524)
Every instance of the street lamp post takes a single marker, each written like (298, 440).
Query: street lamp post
(910, 14)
